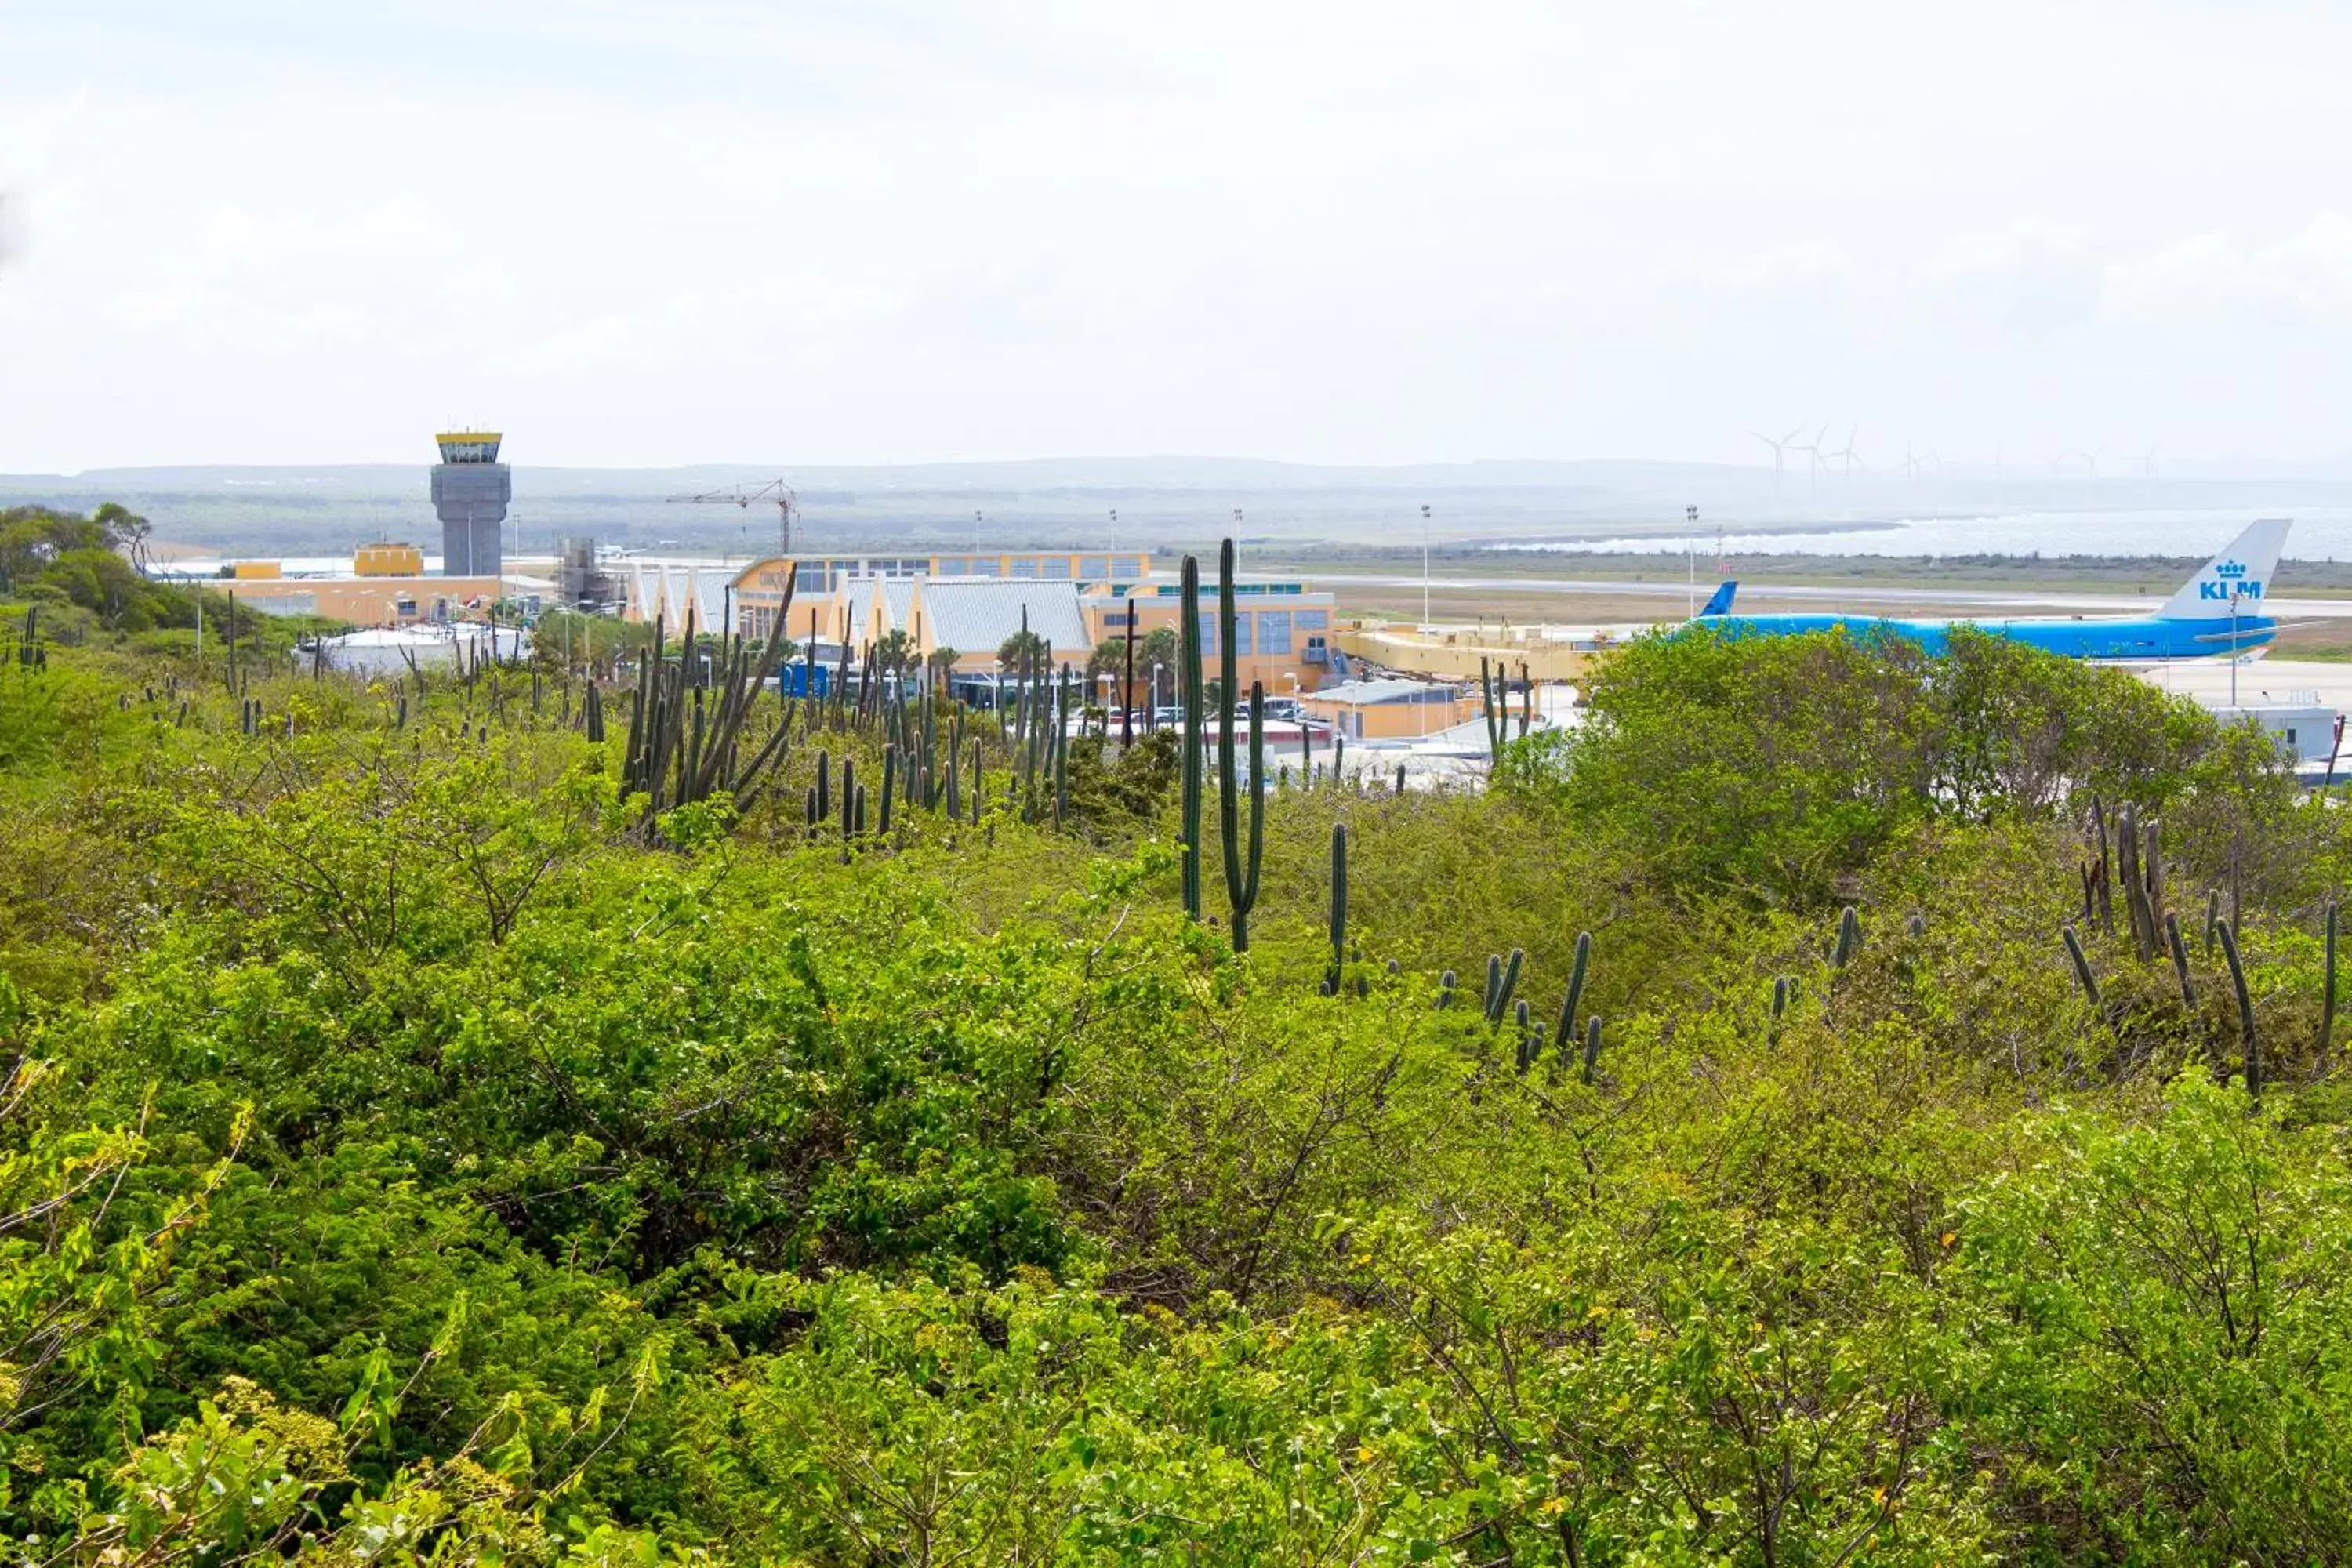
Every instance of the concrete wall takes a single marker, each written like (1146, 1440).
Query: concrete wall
(470, 499)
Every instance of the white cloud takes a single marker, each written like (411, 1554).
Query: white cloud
(2302, 279)
(836, 231)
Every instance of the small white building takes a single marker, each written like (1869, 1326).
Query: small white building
(390, 651)
(2306, 730)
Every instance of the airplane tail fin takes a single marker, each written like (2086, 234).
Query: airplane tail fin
(2234, 581)
(1720, 604)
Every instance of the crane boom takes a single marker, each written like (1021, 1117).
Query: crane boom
(775, 490)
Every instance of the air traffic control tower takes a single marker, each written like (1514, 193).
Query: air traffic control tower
(471, 491)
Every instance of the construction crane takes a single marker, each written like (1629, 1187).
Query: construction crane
(775, 490)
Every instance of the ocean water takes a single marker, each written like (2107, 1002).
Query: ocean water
(2319, 534)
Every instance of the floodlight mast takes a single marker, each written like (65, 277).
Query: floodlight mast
(776, 490)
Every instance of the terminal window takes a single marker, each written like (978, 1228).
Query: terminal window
(1273, 631)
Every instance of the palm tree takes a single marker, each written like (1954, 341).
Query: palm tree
(1016, 652)
(895, 652)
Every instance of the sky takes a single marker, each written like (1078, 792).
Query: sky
(638, 234)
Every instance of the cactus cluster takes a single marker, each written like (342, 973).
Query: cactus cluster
(683, 744)
(2129, 860)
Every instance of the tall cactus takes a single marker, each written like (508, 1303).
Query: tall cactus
(1188, 684)
(2082, 964)
(1502, 979)
(2245, 1010)
(1493, 704)
(1849, 937)
(1592, 1047)
(1339, 913)
(1062, 750)
(2328, 994)
(2180, 960)
(1127, 688)
(1241, 890)
(1565, 1033)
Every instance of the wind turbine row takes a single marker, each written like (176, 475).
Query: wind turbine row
(1821, 458)
(1818, 457)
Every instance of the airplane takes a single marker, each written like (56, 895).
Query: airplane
(2218, 612)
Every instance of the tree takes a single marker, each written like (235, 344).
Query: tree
(895, 654)
(1109, 658)
(1016, 653)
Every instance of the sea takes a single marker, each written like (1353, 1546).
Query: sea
(2319, 534)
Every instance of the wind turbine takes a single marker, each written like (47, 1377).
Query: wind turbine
(1911, 464)
(2146, 462)
(1779, 448)
(1848, 456)
(1815, 458)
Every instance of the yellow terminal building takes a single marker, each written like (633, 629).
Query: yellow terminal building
(973, 601)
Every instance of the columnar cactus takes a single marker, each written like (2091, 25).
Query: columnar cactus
(1502, 979)
(1339, 913)
(2245, 1010)
(2082, 964)
(1565, 1032)
(2328, 993)
(1188, 685)
(1241, 888)
(1494, 704)
(2180, 950)
(1849, 937)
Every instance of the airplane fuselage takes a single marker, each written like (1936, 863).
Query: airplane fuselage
(2143, 638)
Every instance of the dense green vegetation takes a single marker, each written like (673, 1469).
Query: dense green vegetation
(416, 1152)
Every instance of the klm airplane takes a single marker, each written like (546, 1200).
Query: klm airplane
(2218, 612)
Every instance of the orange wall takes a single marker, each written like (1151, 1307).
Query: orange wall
(368, 601)
(1391, 721)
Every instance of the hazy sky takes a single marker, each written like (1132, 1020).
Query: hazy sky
(637, 233)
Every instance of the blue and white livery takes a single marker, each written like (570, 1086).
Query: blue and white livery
(2218, 612)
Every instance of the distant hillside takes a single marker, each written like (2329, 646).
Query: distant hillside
(1159, 500)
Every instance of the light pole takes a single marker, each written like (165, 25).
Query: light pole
(1424, 566)
(1690, 546)
(1154, 724)
(2234, 591)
